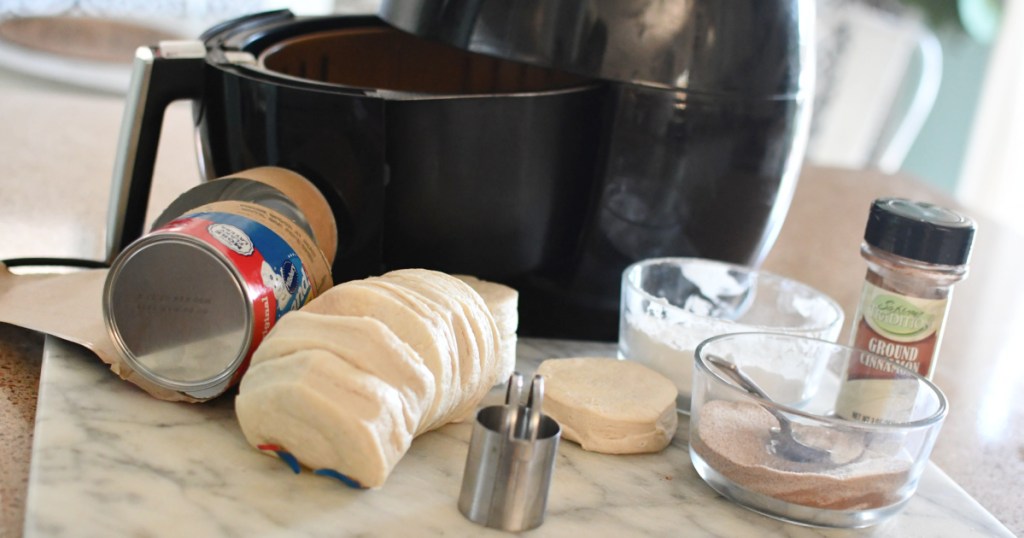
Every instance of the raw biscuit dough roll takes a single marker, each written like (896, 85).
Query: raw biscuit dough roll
(466, 365)
(327, 413)
(503, 303)
(426, 332)
(347, 382)
(475, 327)
(365, 343)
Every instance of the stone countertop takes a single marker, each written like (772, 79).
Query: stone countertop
(109, 460)
(52, 139)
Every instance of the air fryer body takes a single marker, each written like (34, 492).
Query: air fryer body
(543, 180)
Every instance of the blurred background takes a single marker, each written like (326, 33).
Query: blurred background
(933, 88)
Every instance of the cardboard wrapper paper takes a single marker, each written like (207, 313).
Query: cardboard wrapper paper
(70, 306)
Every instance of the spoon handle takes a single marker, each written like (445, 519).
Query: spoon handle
(730, 369)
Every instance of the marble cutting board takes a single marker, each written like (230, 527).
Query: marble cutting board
(108, 460)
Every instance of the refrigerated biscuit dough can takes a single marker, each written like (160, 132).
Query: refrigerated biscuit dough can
(188, 303)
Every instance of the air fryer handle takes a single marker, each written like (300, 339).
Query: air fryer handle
(171, 71)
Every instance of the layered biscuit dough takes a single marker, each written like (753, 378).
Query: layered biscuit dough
(503, 303)
(327, 413)
(475, 330)
(413, 322)
(346, 383)
(365, 343)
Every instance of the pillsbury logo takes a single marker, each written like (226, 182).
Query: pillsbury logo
(232, 237)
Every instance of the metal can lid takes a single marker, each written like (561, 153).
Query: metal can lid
(920, 231)
(178, 314)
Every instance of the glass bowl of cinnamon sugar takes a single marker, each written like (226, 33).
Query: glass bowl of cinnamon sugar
(770, 428)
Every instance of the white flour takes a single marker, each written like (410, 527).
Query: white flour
(664, 348)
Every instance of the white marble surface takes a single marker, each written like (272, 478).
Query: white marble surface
(109, 460)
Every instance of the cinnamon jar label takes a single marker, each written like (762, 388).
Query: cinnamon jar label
(901, 328)
(905, 330)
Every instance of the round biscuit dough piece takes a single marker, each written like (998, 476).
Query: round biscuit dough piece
(609, 405)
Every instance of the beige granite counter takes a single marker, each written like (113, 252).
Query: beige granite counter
(56, 153)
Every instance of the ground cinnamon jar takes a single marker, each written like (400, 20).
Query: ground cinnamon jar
(915, 253)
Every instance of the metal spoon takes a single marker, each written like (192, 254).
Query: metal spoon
(784, 443)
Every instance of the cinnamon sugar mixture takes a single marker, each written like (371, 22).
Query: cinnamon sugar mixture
(733, 438)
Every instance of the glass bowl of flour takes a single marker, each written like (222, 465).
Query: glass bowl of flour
(862, 470)
(670, 305)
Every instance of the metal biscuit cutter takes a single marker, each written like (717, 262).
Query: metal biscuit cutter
(510, 461)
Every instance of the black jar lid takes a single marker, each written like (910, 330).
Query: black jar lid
(920, 231)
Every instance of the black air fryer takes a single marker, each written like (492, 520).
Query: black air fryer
(546, 145)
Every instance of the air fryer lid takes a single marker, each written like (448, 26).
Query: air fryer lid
(749, 47)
